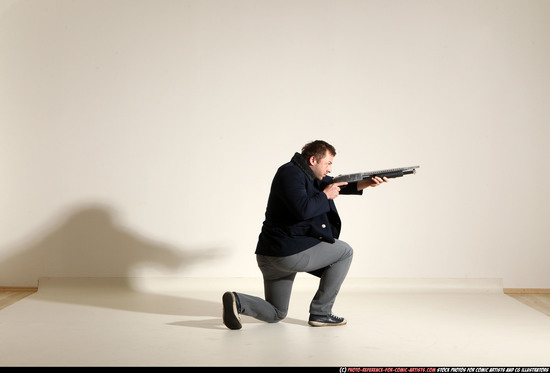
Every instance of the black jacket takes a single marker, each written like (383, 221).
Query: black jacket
(299, 215)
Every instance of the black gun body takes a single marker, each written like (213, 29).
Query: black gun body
(390, 175)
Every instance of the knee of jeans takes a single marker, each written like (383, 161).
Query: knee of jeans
(279, 315)
(349, 251)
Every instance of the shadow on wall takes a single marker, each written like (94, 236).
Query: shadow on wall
(91, 243)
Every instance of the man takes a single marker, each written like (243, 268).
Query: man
(300, 234)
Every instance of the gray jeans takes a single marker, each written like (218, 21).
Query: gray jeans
(328, 261)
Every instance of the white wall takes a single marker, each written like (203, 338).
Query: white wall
(139, 137)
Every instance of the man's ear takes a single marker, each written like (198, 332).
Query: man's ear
(312, 160)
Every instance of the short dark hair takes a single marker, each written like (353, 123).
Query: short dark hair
(318, 149)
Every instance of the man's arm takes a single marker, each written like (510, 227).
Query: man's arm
(333, 190)
(291, 187)
(372, 182)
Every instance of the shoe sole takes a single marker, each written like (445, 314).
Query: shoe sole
(230, 314)
(318, 323)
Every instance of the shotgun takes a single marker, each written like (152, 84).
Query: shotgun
(389, 173)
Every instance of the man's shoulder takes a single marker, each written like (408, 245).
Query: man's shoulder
(296, 169)
(290, 168)
(287, 165)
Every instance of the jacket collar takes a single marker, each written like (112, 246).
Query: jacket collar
(299, 161)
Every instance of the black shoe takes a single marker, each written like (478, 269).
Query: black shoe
(231, 317)
(326, 320)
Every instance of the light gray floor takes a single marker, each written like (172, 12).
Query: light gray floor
(177, 322)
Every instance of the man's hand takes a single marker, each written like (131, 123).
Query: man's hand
(372, 182)
(333, 190)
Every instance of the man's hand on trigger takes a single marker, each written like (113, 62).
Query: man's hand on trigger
(333, 190)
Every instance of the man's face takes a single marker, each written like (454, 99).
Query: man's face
(321, 167)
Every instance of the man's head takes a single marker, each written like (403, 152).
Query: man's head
(319, 156)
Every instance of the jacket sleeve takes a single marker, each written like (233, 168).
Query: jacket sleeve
(300, 196)
(350, 188)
